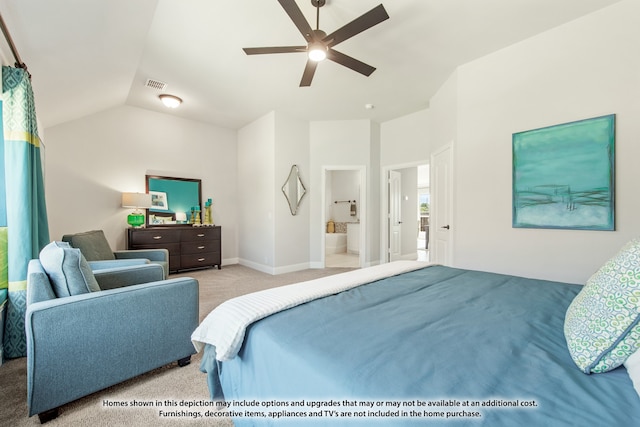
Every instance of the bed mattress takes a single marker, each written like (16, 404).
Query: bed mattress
(482, 348)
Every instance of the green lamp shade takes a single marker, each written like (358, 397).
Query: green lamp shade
(135, 219)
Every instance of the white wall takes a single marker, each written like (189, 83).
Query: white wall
(270, 238)
(92, 160)
(344, 185)
(292, 231)
(443, 115)
(405, 139)
(372, 225)
(586, 68)
(256, 201)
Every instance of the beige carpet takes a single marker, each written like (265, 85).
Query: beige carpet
(167, 383)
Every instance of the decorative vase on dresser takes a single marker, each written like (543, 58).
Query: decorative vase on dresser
(189, 247)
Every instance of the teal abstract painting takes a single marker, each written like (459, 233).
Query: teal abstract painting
(563, 176)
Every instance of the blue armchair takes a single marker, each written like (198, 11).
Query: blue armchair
(87, 330)
(95, 248)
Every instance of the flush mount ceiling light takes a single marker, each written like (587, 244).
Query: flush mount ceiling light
(170, 101)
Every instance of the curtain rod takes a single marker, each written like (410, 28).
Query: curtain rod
(16, 55)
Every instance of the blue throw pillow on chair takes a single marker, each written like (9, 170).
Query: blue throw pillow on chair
(68, 270)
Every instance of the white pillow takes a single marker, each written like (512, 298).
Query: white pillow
(633, 368)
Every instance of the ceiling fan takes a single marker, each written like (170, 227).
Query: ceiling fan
(319, 44)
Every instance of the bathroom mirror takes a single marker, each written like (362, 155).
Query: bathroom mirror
(293, 189)
(171, 199)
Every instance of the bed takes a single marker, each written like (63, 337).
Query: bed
(405, 343)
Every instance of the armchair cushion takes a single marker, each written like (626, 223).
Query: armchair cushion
(96, 250)
(116, 263)
(68, 270)
(93, 244)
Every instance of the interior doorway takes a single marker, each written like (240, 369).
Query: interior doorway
(344, 216)
(405, 212)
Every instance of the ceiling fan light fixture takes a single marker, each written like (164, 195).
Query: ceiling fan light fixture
(317, 51)
(170, 101)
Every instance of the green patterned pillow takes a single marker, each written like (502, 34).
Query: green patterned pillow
(602, 323)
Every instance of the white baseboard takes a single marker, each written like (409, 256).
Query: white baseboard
(292, 268)
(255, 266)
(273, 270)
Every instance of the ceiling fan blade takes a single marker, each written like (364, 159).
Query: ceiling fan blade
(358, 25)
(350, 62)
(298, 18)
(279, 49)
(309, 71)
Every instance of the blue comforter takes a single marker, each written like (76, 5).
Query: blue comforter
(438, 340)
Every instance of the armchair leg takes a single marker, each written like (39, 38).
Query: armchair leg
(47, 416)
(184, 361)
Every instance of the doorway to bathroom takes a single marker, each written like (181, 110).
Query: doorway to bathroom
(344, 216)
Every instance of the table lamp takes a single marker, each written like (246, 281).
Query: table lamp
(137, 201)
(181, 217)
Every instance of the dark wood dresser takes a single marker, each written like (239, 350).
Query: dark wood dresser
(189, 247)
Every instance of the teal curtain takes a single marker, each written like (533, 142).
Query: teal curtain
(4, 278)
(26, 212)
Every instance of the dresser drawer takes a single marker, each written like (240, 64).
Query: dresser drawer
(200, 233)
(199, 247)
(206, 259)
(154, 237)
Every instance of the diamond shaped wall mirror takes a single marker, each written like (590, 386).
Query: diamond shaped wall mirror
(293, 189)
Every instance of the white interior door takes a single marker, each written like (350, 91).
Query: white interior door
(441, 245)
(395, 216)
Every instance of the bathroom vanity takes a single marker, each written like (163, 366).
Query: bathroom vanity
(353, 237)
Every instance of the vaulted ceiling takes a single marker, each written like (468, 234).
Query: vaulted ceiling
(90, 55)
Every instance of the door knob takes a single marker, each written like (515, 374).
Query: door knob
(445, 226)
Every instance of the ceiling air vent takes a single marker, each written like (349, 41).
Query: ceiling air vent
(156, 84)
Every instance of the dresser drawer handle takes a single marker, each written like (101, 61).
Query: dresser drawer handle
(201, 247)
(201, 235)
(201, 259)
(157, 237)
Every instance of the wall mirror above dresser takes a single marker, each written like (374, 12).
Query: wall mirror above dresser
(172, 199)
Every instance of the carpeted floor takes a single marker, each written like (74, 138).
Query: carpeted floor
(166, 383)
